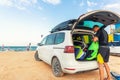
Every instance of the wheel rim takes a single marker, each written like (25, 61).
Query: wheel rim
(56, 67)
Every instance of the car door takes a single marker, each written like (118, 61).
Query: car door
(49, 48)
(42, 48)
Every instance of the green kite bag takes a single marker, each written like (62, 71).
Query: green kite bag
(92, 51)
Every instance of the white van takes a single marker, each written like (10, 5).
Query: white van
(57, 49)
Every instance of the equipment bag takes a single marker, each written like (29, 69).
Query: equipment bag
(79, 53)
(92, 51)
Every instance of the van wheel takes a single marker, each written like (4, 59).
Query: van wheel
(56, 68)
(36, 56)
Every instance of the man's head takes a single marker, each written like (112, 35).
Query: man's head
(95, 28)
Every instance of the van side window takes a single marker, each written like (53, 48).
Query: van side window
(59, 38)
(50, 39)
(44, 41)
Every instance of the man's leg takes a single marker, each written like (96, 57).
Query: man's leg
(107, 71)
(101, 71)
(101, 66)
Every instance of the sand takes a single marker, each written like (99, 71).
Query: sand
(22, 66)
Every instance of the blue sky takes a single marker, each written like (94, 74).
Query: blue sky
(23, 21)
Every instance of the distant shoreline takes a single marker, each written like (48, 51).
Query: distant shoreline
(17, 48)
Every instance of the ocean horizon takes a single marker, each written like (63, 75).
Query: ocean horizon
(18, 48)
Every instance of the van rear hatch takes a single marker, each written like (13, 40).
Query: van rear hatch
(99, 17)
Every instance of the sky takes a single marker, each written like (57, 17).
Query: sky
(24, 21)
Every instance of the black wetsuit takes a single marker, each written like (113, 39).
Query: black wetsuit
(103, 44)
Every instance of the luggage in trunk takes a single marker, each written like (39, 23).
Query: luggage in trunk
(84, 48)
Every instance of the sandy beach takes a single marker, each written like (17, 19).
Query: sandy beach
(22, 66)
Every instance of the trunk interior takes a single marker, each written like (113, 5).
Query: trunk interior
(81, 42)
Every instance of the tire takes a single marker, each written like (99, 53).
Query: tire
(36, 56)
(56, 68)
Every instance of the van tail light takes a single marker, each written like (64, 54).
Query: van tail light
(69, 49)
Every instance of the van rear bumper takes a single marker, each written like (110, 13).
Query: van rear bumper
(70, 65)
(80, 66)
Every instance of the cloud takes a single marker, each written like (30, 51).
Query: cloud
(27, 2)
(114, 7)
(88, 9)
(6, 3)
(40, 8)
(81, 4)
(53, 2)
(91, 3)
(19, 4)
(20, 7)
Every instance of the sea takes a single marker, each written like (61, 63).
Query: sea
(18, 48)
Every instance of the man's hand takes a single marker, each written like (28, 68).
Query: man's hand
(95, 39)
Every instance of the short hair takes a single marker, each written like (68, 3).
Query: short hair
(95, 26)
